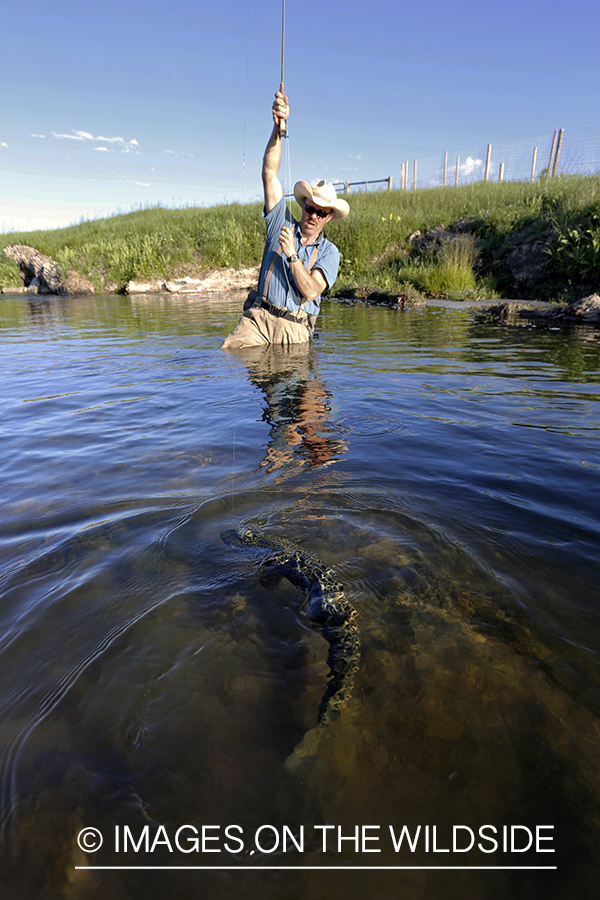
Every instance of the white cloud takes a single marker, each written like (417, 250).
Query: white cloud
(120, 142)
(76, 136)
(141, 183)
(38, 135)
(470, 165)
(102, 148)
(177, 154)
(4, 145)
(117, 142)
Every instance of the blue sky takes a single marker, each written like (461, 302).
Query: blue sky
(113, 105)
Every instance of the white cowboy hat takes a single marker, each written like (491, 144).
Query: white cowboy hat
(321, 193)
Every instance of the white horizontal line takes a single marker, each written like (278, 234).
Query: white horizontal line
(326, 868)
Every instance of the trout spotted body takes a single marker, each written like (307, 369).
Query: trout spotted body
(325, 605)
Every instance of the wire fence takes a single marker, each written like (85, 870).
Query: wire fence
(575, 152)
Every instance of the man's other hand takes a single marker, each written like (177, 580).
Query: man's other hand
(286, 241)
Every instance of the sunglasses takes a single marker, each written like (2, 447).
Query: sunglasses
(312, 210)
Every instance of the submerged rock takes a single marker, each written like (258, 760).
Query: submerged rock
(511, 312)
(585, 311)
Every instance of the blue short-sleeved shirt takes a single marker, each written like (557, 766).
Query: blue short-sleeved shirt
(282, 289)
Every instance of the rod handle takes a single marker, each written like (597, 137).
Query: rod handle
(283, 133)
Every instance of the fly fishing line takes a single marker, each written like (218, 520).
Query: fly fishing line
(286, 187)
(235, 396)
(283, 134)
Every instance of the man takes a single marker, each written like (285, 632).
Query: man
(298, 264)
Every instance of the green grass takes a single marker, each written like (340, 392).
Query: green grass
(450, 273)
(9, 272)
(373, 241)
(376, 253)
(151, 242)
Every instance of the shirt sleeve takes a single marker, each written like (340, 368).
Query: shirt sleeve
(328, 261)
(275, 219)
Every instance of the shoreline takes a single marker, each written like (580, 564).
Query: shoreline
(515, 312)
(483, 240)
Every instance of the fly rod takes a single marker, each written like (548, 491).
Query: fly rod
(282, 124)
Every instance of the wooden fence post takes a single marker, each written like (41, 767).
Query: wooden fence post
(558, 146)
(487, 162)
(551, 155)
(551, 171)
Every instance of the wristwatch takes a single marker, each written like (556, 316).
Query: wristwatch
(293, 258)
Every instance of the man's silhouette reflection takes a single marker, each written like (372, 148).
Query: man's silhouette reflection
(297, 407)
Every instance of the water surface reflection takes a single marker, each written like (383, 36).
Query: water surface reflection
(297, 406)
(444, 468)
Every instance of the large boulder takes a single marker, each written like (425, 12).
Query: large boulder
(585, 310)
(37, 270)
(433, 240)
(76, 285)
(523, 260)
(528, 261)
(42, 273)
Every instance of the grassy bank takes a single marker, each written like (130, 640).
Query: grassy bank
(149, 242)
(377, 255)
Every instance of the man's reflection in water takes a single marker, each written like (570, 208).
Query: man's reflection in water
(297, 407)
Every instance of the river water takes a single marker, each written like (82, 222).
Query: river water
(156, 685)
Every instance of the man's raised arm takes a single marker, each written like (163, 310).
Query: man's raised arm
(272, 158)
